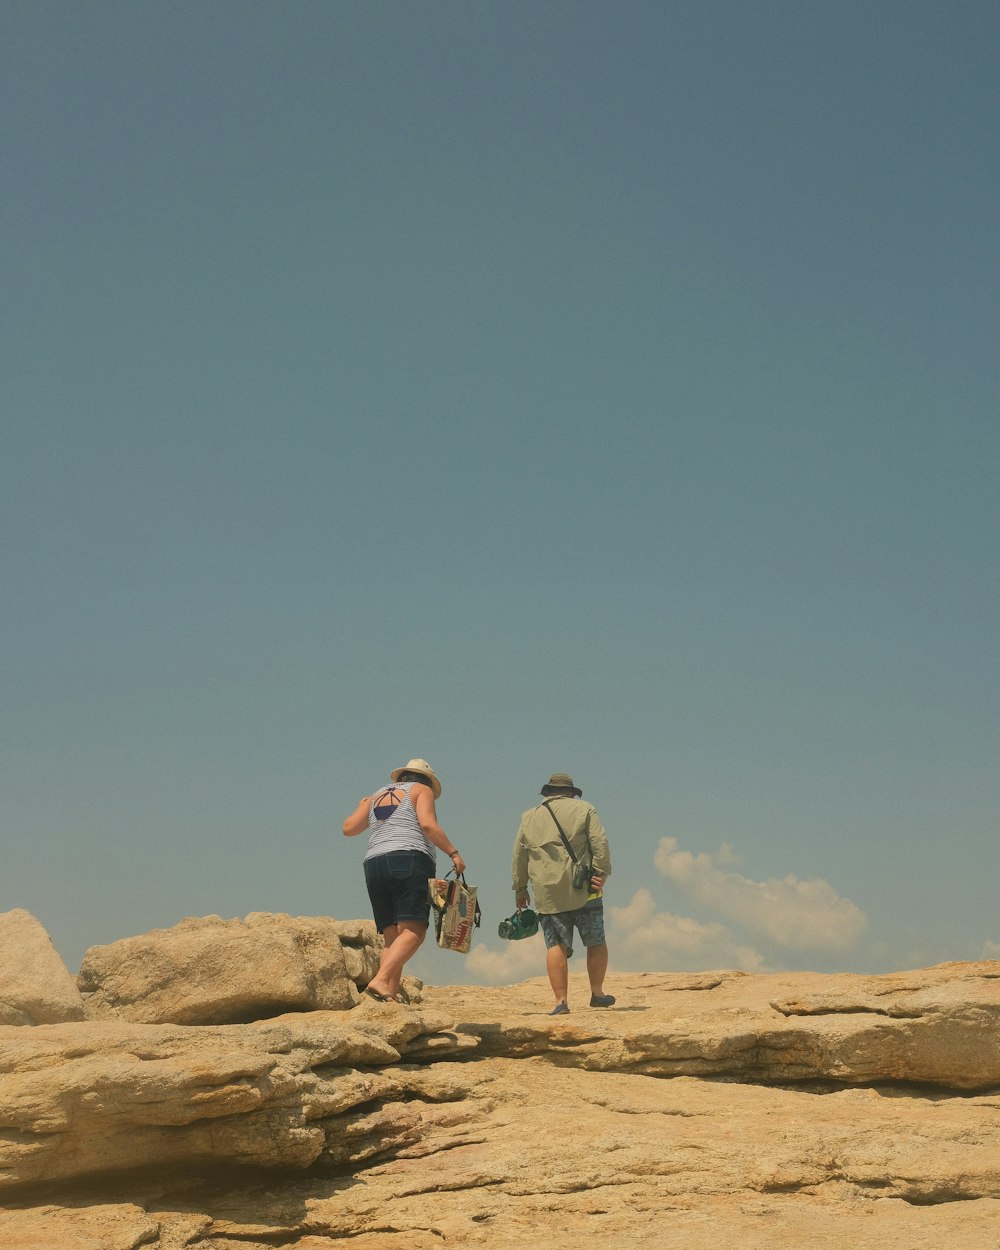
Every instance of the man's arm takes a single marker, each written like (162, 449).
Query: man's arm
(519, 870)
(599, 849)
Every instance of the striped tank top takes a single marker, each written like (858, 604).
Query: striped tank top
(393, 824)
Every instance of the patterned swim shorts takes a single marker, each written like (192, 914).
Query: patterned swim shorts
(587, 920)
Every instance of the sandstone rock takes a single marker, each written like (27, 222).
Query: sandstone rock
(784, 1112)
(102, 1097)
(940, 1026)
(35, 985)
(207, 970)
(97, 1227)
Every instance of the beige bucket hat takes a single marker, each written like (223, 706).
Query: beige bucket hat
(561, 781)
(424, 769)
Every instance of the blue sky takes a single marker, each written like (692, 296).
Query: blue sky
(525, 386)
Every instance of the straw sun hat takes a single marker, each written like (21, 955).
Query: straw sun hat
(424, 769)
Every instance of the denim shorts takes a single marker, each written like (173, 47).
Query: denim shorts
(397, 887)
(588, 921)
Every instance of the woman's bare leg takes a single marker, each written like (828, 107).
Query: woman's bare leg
(402, 941)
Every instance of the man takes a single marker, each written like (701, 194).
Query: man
(541, 857)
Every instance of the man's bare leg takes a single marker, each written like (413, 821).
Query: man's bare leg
(597, 967)
(557, 966)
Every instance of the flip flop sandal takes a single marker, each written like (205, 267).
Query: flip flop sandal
(377, 997)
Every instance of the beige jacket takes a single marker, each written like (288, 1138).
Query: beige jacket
(541, 858)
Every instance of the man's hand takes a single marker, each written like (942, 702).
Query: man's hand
(521, 900)
(596, 884)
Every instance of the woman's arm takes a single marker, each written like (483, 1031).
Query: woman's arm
(422, 798)
(357, 822)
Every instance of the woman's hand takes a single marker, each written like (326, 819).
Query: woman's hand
(459, 863)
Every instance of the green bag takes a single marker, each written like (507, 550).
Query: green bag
(522, 924)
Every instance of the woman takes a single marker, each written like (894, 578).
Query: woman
(400, 860)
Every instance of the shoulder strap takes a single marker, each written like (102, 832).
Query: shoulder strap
(565, 840)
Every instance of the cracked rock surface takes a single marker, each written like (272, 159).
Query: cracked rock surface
(788, 1110)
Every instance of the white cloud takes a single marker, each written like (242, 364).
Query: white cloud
(785, 913)
(794, 914)
(991, 950)
(515, 962)
(655, 941)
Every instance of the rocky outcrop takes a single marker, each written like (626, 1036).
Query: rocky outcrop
(96, 1099)
(940, 1026)
(207, 970)
(35, 985)
(782, 1111)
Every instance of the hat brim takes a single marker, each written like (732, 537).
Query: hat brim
(433, 782)
(547, 790)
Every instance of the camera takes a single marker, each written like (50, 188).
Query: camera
(581, 875)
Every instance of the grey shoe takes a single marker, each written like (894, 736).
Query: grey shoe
(602, 1000)
(560, 1009)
